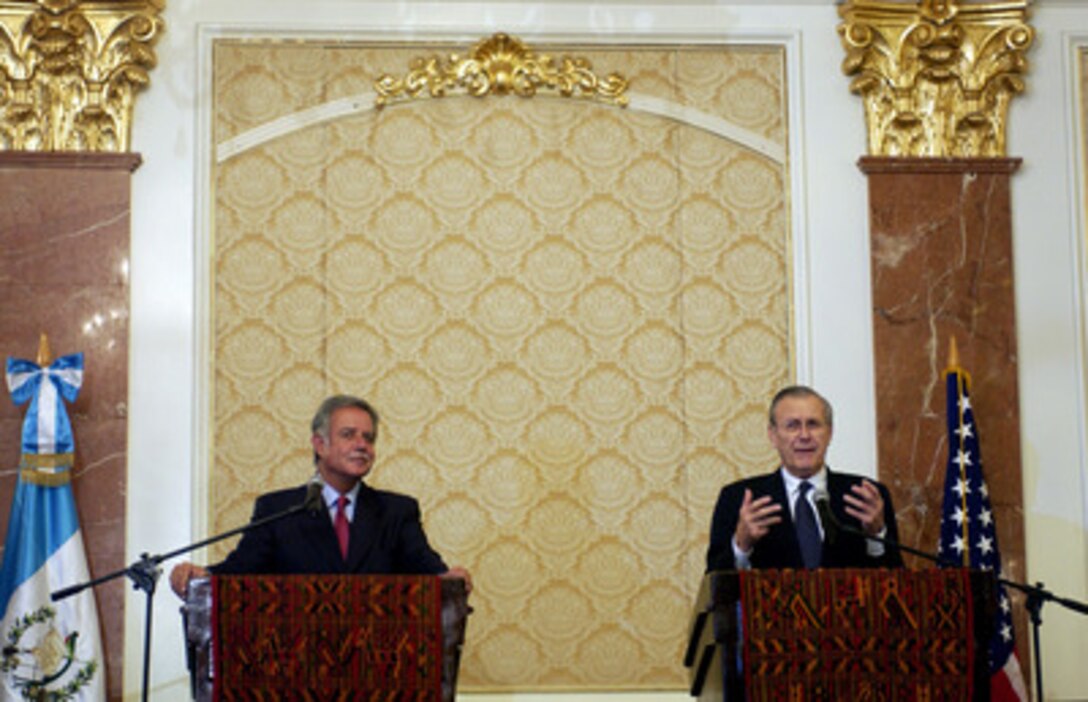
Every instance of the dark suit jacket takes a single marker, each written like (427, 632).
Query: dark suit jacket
(386, 538)
(779, 548)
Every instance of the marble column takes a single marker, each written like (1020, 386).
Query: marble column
(942, 267)
(64, 271)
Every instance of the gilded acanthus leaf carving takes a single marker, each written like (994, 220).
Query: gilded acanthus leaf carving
(70, 72)
(501, 65)
(936, 76)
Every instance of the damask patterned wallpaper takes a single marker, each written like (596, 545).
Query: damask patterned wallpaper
(571, 317)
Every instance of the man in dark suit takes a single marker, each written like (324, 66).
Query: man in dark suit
(759, 522)
(355, 529)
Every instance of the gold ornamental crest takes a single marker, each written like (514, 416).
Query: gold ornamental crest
(501, 65)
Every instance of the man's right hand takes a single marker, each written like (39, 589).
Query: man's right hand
(755, 519)
(182, 574)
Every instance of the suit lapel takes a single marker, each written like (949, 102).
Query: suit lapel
(837, 487)
(319, 536)
(777, 490)
(788, 528)
(784, 533)
(364, 529)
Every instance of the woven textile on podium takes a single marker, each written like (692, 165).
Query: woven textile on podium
(327, 637)
(857, 635)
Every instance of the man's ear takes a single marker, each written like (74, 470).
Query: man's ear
(318, 442)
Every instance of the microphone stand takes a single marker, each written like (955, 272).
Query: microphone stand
(1037, 595)
(145, 572)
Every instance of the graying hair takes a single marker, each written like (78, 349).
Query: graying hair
(323, 416)
(798, 391)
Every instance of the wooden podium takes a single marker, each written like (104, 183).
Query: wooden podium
(324, 637)
(841, 634)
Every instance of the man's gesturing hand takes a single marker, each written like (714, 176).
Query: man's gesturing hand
(865, 504)
(755, 520)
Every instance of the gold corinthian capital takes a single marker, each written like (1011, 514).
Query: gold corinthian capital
(936, 76)
(70, 71)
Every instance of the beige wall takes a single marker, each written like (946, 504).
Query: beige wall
(569, 315)
(830, 340)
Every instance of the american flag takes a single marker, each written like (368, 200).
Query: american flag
(968, 535)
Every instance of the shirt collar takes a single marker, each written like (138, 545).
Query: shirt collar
(818, 481)
(331, 495)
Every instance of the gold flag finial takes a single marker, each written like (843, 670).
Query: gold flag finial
(953, 353)
(45, 356)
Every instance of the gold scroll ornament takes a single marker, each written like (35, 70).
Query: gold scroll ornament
(936, 76)
(70, 71)
(501, 65)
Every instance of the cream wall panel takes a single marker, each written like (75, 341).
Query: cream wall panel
(533, 293)
(1047, 204)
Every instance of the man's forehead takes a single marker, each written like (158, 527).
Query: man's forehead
(804, 407)
(352, 417)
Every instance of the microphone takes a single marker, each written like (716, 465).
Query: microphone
(827, 517)
(312, 502)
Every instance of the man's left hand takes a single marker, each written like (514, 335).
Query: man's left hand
(865, 504)
(460, 573)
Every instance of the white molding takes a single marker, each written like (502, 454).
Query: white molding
(204, 223)
(470, 33)
(801, 268)
(1077, 134)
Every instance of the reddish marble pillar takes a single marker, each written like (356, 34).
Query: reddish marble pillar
(64, 271)
(942, 267)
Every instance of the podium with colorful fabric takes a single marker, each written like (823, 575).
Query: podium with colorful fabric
(324, 637)
(848, 634)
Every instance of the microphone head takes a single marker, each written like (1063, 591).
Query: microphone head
(820, 495)
(312, 501)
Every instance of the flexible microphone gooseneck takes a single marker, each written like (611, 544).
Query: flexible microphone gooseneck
(827, 518)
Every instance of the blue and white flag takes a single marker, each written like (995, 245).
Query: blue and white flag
(50, 650)
(968, 532)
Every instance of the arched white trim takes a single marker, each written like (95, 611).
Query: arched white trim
(364, 103)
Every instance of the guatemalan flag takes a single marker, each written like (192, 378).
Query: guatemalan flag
(968, 535)
(49, 650)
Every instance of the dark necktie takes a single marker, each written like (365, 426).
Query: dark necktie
(340, 524)
(808, 532)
